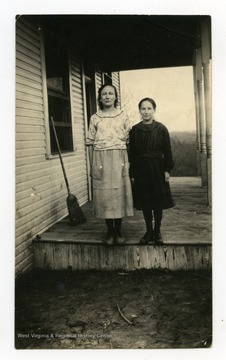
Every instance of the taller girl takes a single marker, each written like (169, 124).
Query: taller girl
(107, 139)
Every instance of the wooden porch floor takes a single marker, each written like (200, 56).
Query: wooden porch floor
(189, 222)
(186, 231)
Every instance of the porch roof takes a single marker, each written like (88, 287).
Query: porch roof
(127, 42)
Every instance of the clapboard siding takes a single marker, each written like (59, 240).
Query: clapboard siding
(29, 105)
(40, 187)
(32, 98)
(79, 127)
(28, 112)
(26, 153)
(50, 173)
(43, 213)
(27, 69)
(28, 121)
(33, 195)
(98, 80)
(28, 39)
(39, 191)
(35, 190)
(40, 207)
(26, 60)
(31, 47)
(30, 136)
(116, 83)
(34, 183)
(28, 160)
(31, 57)
(28, 75)
(30, 144)
(29, 128)
(26, 82)
(27, 29)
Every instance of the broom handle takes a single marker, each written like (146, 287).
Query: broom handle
(61, 160)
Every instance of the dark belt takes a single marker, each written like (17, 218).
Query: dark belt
(152, 154)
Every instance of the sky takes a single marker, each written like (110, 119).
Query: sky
(171, 88)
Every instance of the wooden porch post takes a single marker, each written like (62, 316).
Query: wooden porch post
(206, 62)
(198, 141)
(202, 122)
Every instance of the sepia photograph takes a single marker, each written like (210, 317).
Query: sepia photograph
(113, 199)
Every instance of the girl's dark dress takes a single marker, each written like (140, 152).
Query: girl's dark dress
(150, 157)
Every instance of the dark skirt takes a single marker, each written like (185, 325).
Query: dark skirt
(150, 190)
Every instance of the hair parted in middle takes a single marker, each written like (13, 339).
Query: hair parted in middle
(99, 95)
(147, 99)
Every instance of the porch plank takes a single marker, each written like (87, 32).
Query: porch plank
(188, 222)
(186, 231)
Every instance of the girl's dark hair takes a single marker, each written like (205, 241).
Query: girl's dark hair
(99, 95)
(147, 99)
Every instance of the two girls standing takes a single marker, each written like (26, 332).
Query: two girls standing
(150, 163)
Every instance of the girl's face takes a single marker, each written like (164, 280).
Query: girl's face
(147, 111)
(107, 96)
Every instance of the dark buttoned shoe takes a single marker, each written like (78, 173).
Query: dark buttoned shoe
(109, 239)
(119, 238)
(147, 238)
(157, 236)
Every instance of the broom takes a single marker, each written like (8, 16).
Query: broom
(76, 215)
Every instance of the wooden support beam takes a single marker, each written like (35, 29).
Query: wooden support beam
(77, 256)
(206, 63)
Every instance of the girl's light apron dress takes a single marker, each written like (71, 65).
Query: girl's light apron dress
(112, 194)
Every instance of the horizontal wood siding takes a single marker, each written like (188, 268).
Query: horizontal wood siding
(80, 178)
(98, 82)
(40, 187)
(116, 83)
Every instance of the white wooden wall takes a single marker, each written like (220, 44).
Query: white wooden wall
(78, 180)
(40, 188)
(116, 83)
(98, 82)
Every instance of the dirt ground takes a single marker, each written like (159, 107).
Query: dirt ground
(145, 309)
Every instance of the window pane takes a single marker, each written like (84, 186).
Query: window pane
(57, 73)
(64, 135)
(59, 109)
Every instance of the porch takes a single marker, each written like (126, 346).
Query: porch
(186, 231)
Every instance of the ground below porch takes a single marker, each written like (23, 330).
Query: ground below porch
(162, 309)
(186, 231)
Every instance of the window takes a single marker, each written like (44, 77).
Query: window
(107, 78)
(59, 107)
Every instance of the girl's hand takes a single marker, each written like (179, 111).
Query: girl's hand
(167, 176)
(132, 180)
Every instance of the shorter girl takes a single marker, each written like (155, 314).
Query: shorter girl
(150, 165)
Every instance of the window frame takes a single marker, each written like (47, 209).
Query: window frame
(49, 155)
(107, 78)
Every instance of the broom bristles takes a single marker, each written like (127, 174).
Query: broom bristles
(76, 215)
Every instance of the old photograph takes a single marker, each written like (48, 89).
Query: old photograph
(113, 199)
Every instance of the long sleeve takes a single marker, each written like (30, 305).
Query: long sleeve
(168, 158)
(91, 133)
(127, 128)
(131, 153)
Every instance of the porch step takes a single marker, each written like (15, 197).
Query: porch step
(78, 256)
(186, 231)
